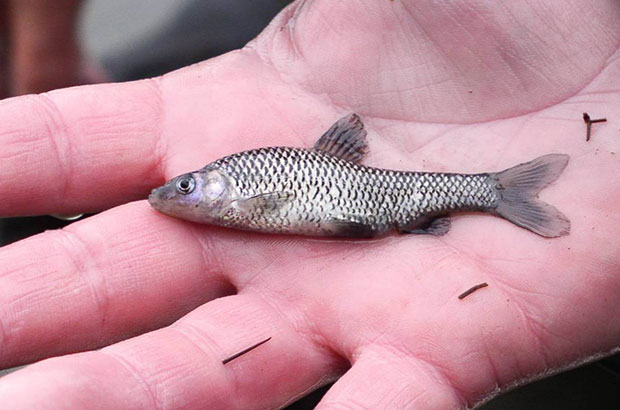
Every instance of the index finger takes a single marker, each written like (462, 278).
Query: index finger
(80, 149)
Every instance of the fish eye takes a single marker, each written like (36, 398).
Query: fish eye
(185, 185)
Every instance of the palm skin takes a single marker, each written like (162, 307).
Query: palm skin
(441, 86)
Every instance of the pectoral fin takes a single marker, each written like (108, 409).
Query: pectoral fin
(265, 202)
(345, 139)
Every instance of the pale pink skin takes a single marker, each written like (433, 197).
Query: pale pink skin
(441, 86)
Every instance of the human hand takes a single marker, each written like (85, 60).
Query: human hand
(441, 87)
(39, 47)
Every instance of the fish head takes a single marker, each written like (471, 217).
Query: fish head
(200, 196)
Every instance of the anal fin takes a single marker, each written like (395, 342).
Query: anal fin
(437, 227)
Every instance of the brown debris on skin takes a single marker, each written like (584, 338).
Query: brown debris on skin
(244, 351)
(589, 122)
(472, 290)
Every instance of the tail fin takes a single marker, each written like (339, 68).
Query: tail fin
(518, 188)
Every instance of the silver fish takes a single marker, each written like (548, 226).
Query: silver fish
(325, 191)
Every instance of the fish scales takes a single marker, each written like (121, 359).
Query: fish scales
(326, 191)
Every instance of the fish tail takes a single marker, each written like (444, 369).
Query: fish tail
(518, 189)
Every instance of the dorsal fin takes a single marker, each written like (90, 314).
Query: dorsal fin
(345, 139)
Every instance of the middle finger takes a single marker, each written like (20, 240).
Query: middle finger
(105, 278)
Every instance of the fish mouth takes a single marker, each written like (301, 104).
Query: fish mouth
(151, 197)
(157, 197)
(163, 198)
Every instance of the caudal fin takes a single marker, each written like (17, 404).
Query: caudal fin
(519, 187)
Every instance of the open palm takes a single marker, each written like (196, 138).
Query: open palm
(441, 86)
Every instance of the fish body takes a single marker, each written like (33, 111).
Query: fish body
(325, 191)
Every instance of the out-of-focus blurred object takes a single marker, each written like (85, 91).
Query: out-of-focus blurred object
(39, 47)
(143, 38)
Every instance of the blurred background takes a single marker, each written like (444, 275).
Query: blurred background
(51, 44)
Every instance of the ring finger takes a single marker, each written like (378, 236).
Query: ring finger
(181, 366)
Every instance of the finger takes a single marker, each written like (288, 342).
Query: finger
(44, 34)
(383, 378)
(117, 274)
(79, 149)
(181, 366)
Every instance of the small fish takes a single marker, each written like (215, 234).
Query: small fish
(325, 191)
